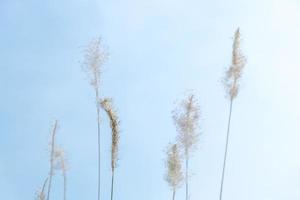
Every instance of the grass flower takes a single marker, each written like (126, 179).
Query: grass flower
(94, 58)
(186, 118)
(231, 84)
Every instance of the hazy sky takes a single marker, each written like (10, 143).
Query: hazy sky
(159, 49)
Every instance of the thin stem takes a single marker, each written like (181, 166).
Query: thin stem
(226, 149)
(51, 159)
(186, 178)
(65, 185)
(98, 131)
(174, 194)
(112, 186)
(44, 185)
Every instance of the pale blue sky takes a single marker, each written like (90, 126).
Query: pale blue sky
(159, 50)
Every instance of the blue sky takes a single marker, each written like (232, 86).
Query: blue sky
(159, 49)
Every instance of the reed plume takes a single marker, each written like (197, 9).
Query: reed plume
(186, 118)
(52, 150)
(95, 57)
(40, 195)
(115, 136)
(174, 175)
(61, 164)
(231, 84)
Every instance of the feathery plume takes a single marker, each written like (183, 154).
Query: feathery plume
(231, 83)
(115, 131)
(95, 57)
(186, 119)
(174, 175)
(234, 73)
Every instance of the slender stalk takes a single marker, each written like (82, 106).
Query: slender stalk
(226, 149)
(44, 185)
(174, 191)
(112, 186)
(51, 159)
(94, 59)
(98, 131)
(41, 194)
(65, 186)
(64, 174)
(186, 178)
(61, 164)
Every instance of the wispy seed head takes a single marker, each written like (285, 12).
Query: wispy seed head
(234, 73)
(95, 56)
(186, 119)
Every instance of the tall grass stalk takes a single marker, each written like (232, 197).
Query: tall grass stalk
(174, 175)
(52, 149)
(115, 136)
(186, 118)
(95, 57)
(231, 83)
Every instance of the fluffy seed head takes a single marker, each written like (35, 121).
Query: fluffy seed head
(95, 56)
(173, 175)
(186, 119)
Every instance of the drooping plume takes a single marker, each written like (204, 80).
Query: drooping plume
(234, 73)
(115, 130)
(115, 136)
